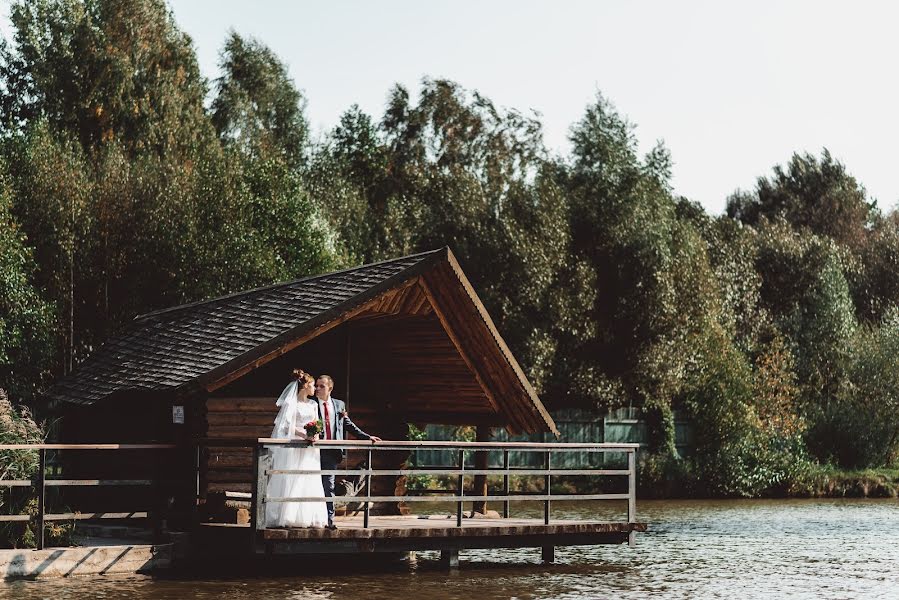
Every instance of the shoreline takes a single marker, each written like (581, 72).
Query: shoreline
(821, 482)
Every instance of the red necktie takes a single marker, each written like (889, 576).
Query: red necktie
(327, 422)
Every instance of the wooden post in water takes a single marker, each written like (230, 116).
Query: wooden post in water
(449, 557)
(480, 481)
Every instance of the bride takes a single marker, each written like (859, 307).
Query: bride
(296, 410)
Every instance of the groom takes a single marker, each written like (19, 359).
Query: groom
(334, 417)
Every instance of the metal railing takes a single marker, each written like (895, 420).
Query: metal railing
(41, 482)
(263, 470)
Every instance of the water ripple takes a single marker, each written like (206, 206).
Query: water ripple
(821, 549)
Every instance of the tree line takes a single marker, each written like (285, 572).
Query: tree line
(129, 183)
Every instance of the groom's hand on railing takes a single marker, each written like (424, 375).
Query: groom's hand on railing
(374, 438)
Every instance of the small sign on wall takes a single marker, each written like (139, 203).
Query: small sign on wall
(178, 415)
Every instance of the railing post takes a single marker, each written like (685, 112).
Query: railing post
(193, 507)
(256, 491)
(367, 510)
(198, 467)
(461, 488)
(547, 486)
(481, 463)
(262, 462)
(506, 483)
(631, 493)
(631, 486)
(41, 496)
(158, 501)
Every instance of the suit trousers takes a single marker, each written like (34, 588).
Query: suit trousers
(330, 459)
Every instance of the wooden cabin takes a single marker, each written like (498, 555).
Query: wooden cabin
(405, 340)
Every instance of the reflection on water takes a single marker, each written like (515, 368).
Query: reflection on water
(694, 549)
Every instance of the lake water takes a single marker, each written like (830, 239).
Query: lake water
(694, 549)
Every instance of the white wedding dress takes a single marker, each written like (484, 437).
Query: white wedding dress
(293, 415)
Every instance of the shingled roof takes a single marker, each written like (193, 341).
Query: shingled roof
(172, 348)
(187, 348)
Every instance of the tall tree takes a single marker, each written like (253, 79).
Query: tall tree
(349, 176)
(106, 70)
(454, 169)
(120, 183)
(257, 106)
(876, 285)
(622, 220)
(26, 320)
(818, 195)
(52, 192)
(864, 421)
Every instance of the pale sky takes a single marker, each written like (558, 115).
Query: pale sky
(732, 89)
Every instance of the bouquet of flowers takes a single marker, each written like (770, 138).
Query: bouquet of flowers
(314, 428)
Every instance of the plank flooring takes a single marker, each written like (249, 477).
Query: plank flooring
(407, 527)
(410, 533)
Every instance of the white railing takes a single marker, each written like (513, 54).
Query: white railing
(263, 470)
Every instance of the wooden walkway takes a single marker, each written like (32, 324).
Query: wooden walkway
(410, 533)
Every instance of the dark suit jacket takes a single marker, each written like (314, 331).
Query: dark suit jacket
(342, 423)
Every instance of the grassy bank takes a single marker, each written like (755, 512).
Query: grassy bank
(812, 481)
(830, 482)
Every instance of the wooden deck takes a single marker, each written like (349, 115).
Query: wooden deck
(449, 533)
(444, 527)
(408, 533)
(368, 533)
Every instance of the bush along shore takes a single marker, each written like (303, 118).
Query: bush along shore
(18, 427)
(831, 482)
(810, 481)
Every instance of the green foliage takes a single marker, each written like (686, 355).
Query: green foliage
(876, 284)
(623, 237)
(122, 191)
(828, 323)
(861, 424)
(454, 170)
(775, 391)
(663, 475)
(736, 453)
(51, 200)
(18, 427)
(417, 482)
(832, 482)
(819, 196)
(25, 318)
(732, 253)
(105, 70)
(257, 108)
